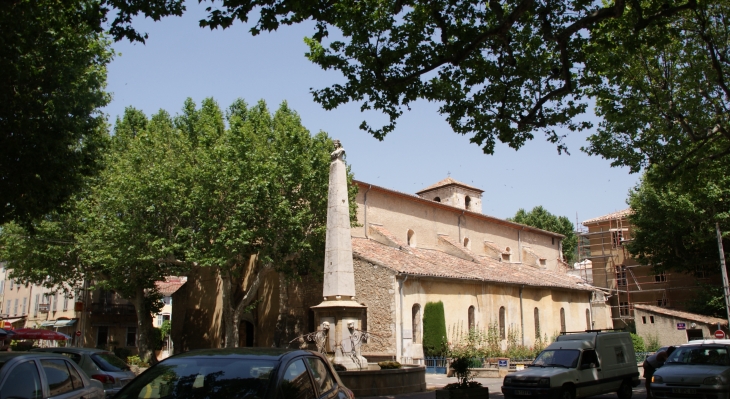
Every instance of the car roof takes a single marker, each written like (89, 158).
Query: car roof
(5, 356)
(247, 352)
(708, 341)
(71, 350)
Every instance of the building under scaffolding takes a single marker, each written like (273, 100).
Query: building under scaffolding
(602, 249)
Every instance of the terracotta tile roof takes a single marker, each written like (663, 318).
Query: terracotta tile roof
(615, 215)
(447, 182)
(433, 263)
(170, 285)
(682, 315)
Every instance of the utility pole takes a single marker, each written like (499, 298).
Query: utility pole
(725, 285)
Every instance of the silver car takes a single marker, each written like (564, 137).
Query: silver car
(98, 364)
(700, 369)
(44, 375)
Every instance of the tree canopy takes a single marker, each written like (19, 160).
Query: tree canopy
(504, 70)
(542, 219)
(52, 76)
(674, 221)
(242, 192)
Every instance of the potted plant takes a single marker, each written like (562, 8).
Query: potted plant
(465, 349)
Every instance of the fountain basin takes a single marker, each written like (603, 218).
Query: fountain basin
(410, 378)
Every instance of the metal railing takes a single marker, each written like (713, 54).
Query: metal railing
(436, 365)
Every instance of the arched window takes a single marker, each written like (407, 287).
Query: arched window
(411, 238)
(471, 318)
(537, 323)
(467, 202)
(416, 323)
(466, 242)
(437, 199)
(562, 320)
(502, 333)
(588, 319)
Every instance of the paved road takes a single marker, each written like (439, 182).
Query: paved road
(434, 381)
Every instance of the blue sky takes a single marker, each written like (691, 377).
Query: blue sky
(181, 60)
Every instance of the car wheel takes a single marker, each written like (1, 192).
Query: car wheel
(625, 391)
(568, 392)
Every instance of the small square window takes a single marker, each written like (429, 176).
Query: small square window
(505, 257)
(652, 319)
(643, 319)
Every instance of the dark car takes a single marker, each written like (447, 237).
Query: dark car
(698, 369)
(239, 373)
(30, 375)
(98, 364)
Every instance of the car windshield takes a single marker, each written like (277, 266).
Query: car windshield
(107, 361)
(700, 354)
(202, 378)
(558, 358)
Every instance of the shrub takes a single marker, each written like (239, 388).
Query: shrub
(652, 343)
(638, 343)
(389, 364)
(136, 361)
(434, 329)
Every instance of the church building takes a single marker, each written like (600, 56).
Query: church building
(409, 250)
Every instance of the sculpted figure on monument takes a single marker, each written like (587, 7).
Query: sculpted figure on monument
(338, 153)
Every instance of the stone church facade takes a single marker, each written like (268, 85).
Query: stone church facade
(409, 250)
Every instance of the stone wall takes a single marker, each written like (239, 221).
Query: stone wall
(374, 286)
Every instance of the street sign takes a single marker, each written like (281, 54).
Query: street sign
(719, 334)
(681, 326)
(78, 333)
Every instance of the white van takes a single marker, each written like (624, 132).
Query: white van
(578, 365)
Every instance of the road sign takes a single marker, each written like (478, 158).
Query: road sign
(719, 334)
(78, 333)
(681, 326)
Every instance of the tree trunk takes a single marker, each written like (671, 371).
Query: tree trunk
(144, 328)
(233, 311)
(281, 333)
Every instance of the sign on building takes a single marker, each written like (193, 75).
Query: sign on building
(681, 326)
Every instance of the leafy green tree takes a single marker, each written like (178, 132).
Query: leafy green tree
(501, 70)
(663, 91)
(674, 221)
(52, 77)
(261, 200)
(434, 329)
(708, 300)
(542, 219)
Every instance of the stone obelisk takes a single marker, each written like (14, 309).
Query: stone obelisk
(339, 310)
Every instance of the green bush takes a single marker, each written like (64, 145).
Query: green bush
(652, 343)
(389, 364)
(638, 343)
(434, 329)
(136, 361)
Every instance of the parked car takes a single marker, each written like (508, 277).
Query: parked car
(44, 375)
(578, 365)
(699, 369)
(239, 373)
(98, 364)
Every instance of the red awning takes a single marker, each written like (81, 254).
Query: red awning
(36, 333)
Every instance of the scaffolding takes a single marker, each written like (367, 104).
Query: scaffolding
(605, 248)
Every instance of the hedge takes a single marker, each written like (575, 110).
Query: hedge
(434, 329)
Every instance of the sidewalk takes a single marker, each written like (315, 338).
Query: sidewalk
(435, 381)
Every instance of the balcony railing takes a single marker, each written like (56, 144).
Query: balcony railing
(112, 309)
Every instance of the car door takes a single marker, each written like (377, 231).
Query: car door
(323, 379)
(296, 382)
(64, 380)
(23, 381)
(589, 374)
